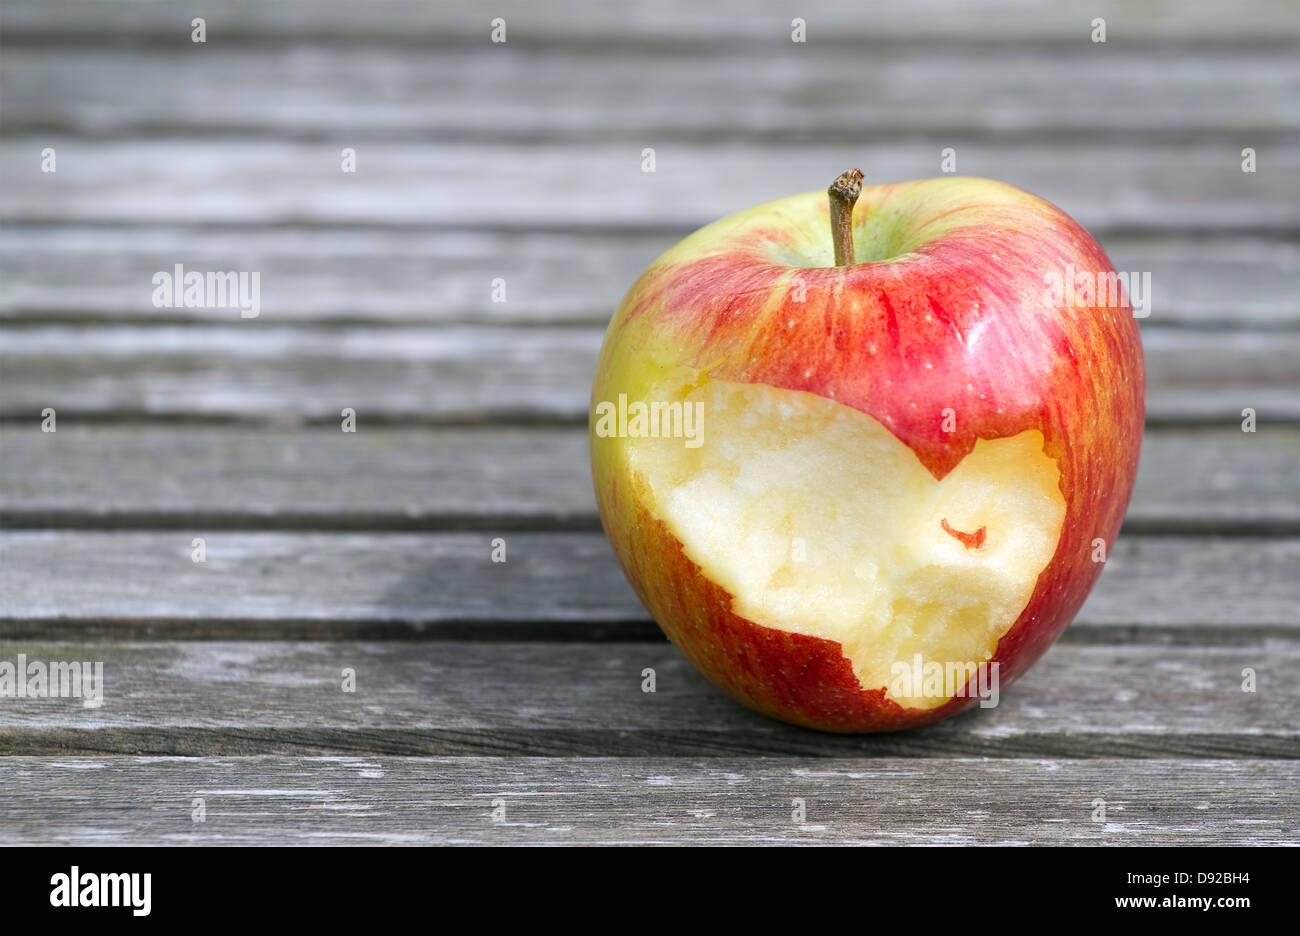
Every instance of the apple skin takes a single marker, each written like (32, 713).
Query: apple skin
(963, 322)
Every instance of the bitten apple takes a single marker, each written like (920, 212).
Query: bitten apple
(903, 451)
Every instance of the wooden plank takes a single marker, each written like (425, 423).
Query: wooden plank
(444, 698)
(601, 185)
(77, 585)
(1202, 480)
(258, 370)
(739, 801)
(316, 585)
(1214, 375)
(356, 93)
(1193, 589)
(288, 374)
(373, 276)
(500, 478)
(482, 478)
(80, 274)
(671, 22)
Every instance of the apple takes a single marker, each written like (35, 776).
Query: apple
(838, 442)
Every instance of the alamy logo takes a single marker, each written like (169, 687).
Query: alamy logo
(195, 290)
(656, 420)
(54, 680)
(933, 680)
(1086, 289)
(76, 889)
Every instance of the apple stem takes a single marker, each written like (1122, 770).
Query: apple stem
(844, 193)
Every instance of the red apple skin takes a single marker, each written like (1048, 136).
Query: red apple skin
(963, 324)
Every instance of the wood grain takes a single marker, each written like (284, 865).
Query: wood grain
(553, 586)
(1145, 187)
(522, 95)
(669, 23)
(371, 800)
(75, 275)
(290, 374)
(258, 370)
(500, 478)
(555, 698)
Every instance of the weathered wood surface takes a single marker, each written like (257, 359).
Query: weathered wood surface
(371, 800)
(83, 584)
(260, 370)
(361, 93)
(669, 23)
(570, 699)
(77, 275)
(1190, 480)
(523, 161)
(600, 185)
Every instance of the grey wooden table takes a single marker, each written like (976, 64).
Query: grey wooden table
(501, 702)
